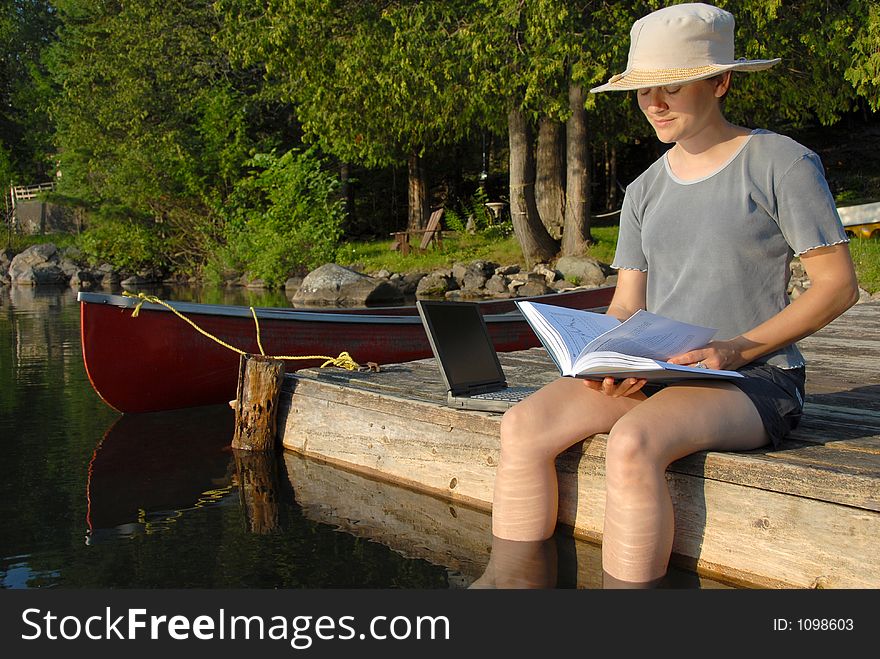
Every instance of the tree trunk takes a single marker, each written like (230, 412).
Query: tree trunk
(418, 193)
(613, 190)
(550, 176)
(576, 236)
(346, 191)
(536, 244)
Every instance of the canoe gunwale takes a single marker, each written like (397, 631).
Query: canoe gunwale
(364, 315)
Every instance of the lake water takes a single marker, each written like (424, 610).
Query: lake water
(90, 498)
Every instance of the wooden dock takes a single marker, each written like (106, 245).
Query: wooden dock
(804, 516)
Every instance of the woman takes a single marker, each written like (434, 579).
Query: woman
(706, 236)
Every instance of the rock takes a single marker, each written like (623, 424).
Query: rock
(331, 284)
(110, 279)
(549, 274)
(582, 270)
(409, 283)
(507, 270)
(68, 266)
(135, 281)
(435, 284)
(466, 294)
(37, 265)
(84, 279)
(533, 287)
(476, 274)
(864, 296)
(562, 285)
(497, 284)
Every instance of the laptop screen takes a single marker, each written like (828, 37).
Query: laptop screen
(461, 343)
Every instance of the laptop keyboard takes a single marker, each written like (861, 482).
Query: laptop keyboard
(510, 393)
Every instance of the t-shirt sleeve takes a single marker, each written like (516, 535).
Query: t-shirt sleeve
(629, 254)
(807, 213)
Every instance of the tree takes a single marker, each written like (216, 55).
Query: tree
(376, 83)
(153, 127)
(863, 71)
(26, 30)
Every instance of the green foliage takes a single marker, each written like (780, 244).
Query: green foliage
(282, 217)
(18, 242)
(125, 244)
(372, 82)
(864, 69)
(866, 258)
(475, 212)
(26, 27)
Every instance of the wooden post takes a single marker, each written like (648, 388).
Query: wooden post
(256, 402)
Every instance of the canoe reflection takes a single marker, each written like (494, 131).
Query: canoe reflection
(149, 469)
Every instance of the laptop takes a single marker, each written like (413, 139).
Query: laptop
(467, 358)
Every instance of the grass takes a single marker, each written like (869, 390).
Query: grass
(457, 247)
(866, 257)
(17, 242)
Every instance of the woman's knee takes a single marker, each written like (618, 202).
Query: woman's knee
(516, 428)
(528, 432)
(630, 453)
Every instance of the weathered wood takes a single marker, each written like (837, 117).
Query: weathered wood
(256, 402)
(807, 515)
(257, 475)
(420, 526)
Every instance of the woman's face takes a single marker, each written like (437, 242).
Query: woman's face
(682, 112)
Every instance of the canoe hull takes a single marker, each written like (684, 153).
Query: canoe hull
(156, 361)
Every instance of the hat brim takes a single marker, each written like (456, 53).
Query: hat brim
(641, 79)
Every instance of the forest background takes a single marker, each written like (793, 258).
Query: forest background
(208, 137)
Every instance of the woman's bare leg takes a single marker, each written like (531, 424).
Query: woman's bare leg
(520, 564)
(533, 433)
(675, 422)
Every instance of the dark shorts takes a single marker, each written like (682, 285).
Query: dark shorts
(777, 394)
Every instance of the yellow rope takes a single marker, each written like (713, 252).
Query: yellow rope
(344, 360)
(257, 325)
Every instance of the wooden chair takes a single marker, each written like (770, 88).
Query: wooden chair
(430, 233)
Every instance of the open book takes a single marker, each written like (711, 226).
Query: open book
(593, 345)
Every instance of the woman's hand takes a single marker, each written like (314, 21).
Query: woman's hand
(616, 388)
(721, 355)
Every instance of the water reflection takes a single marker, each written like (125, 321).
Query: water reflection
(151, 469)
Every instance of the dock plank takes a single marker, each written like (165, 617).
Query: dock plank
(807, 515)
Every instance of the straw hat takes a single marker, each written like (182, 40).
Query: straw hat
(680, 44)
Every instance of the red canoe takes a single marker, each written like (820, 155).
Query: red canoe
(156, 361)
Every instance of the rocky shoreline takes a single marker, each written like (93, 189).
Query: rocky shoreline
(335, 285)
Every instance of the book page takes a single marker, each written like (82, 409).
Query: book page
(645, 334)
(568, 331)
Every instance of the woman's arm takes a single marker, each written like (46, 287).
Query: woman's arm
(833, 290)
(630, 295)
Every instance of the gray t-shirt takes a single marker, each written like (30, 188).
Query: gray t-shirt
(717, 249)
